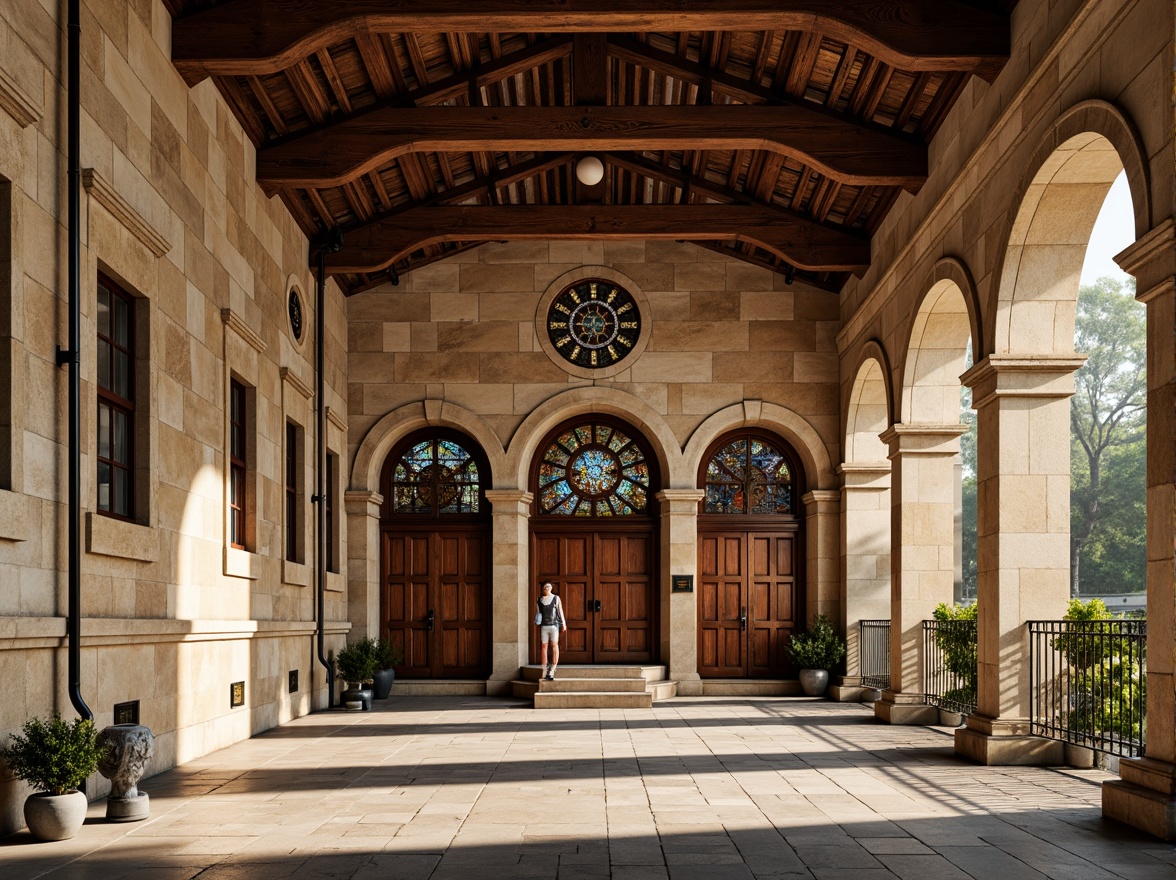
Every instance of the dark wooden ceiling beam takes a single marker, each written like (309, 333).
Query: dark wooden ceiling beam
(253, 37)
(803, 243)
(337, 153)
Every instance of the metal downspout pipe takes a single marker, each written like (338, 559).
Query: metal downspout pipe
(331, 242)
(71, 356)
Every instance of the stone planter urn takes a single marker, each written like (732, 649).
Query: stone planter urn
(55, 816)
(814, 681)
(123, 753)
(382, 686)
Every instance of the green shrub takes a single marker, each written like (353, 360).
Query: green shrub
(54, 756)
(388, 654)
(1107, 692)
(359, 661)
(819, 647)
(956, 638)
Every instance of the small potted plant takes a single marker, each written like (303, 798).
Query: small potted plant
(55, 757)
(388, 656)
(815, 652)
(356, 664)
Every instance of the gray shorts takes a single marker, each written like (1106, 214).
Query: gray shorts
(549, 634)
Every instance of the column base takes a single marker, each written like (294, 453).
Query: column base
(999, 743)
(895, 708)
(849, 689)
(1144, 798)
(689, 683)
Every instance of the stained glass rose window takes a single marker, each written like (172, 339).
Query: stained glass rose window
(593, 470)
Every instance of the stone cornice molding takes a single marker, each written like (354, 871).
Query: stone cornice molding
(102, 192)
(290, 377)
(1151, 260)
(335, 419)
(236, 323)
(19, 103)
(1045, 376)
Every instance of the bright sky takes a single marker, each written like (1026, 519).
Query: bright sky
(1113, 230)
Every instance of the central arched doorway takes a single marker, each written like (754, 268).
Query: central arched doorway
(750, 552)
(594, 536)
(435, 556)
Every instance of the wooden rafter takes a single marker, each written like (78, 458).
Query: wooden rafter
(803, 243)
(252, 37)
(335, 154)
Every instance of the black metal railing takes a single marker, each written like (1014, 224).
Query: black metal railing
(1088, 683)
(874, 652)
(949, 664)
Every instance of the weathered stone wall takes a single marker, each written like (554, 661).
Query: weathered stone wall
(171, 616)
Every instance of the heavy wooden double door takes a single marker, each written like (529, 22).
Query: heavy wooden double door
(748, 604)
(605, 580)
(435, 601)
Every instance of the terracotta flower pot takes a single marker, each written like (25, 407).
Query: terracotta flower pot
(55, 816)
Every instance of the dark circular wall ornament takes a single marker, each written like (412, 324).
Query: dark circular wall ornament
(593, 323)
(295, 310)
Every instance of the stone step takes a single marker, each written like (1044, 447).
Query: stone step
(422, 687)
(523, 689)
(534, 671)
(750, 687)
(592, 685)
(595, 700)
(662, 690)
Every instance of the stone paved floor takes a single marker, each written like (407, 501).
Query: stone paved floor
(695, 788)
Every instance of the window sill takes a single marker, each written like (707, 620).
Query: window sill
(295, 573)
(239, 563)
(107, 536)
(335, 582)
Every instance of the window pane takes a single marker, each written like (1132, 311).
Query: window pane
(121, 494)
(103, 431)
(122, 375)
(103, 311)
(121, 447)
(121, 322)
(103, 364)
(103, 486)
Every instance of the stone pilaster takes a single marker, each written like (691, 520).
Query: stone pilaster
(922, 556)
(1145, 795)
(679, 611)
(510, 565)
(822, 525)
(865, 560)
(1023, 542)
(363, 562)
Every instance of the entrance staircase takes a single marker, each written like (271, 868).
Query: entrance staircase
(595, 687)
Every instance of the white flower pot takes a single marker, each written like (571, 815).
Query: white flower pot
(814, 681)
(55, 816)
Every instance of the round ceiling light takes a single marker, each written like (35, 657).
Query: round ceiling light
(590, 171)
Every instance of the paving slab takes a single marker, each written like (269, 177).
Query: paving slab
(431, 788)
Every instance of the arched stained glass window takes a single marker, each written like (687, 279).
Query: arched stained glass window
(435, 476)
(593, 469)
(749, 475)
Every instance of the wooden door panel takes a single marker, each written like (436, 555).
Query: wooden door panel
(721, 604)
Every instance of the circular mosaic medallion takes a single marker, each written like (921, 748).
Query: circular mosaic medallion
(295, 310)
(593, 323)
(595, 472)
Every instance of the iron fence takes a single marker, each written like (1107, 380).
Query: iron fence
(874, 648)
(1088, 683)
(949, 664)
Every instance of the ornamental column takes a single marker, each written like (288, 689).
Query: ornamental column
(1023, 542)
(510, 567)
(1145, 794)
(363, 562)
(679, 611)
(865, 560)
(922, 557)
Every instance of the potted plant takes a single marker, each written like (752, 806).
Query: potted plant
(356, 664)
(816, 651)
(388, 656)
(54, 757)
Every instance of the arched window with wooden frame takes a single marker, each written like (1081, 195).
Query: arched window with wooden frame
(750, 556)
(594, 536)
(435, 555)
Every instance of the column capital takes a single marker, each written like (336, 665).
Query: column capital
(680, 501)
(865, 475)
(510, 501)
(819, 497)
(1152, 260)
(1045, 376)
(920, 439)
(362, 502)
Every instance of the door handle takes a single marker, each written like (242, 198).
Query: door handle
(429, 617)
(597, 605)
(743, 619)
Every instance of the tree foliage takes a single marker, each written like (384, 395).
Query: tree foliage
(1107, 426)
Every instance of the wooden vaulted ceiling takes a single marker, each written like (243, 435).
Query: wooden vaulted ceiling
(776, 131)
